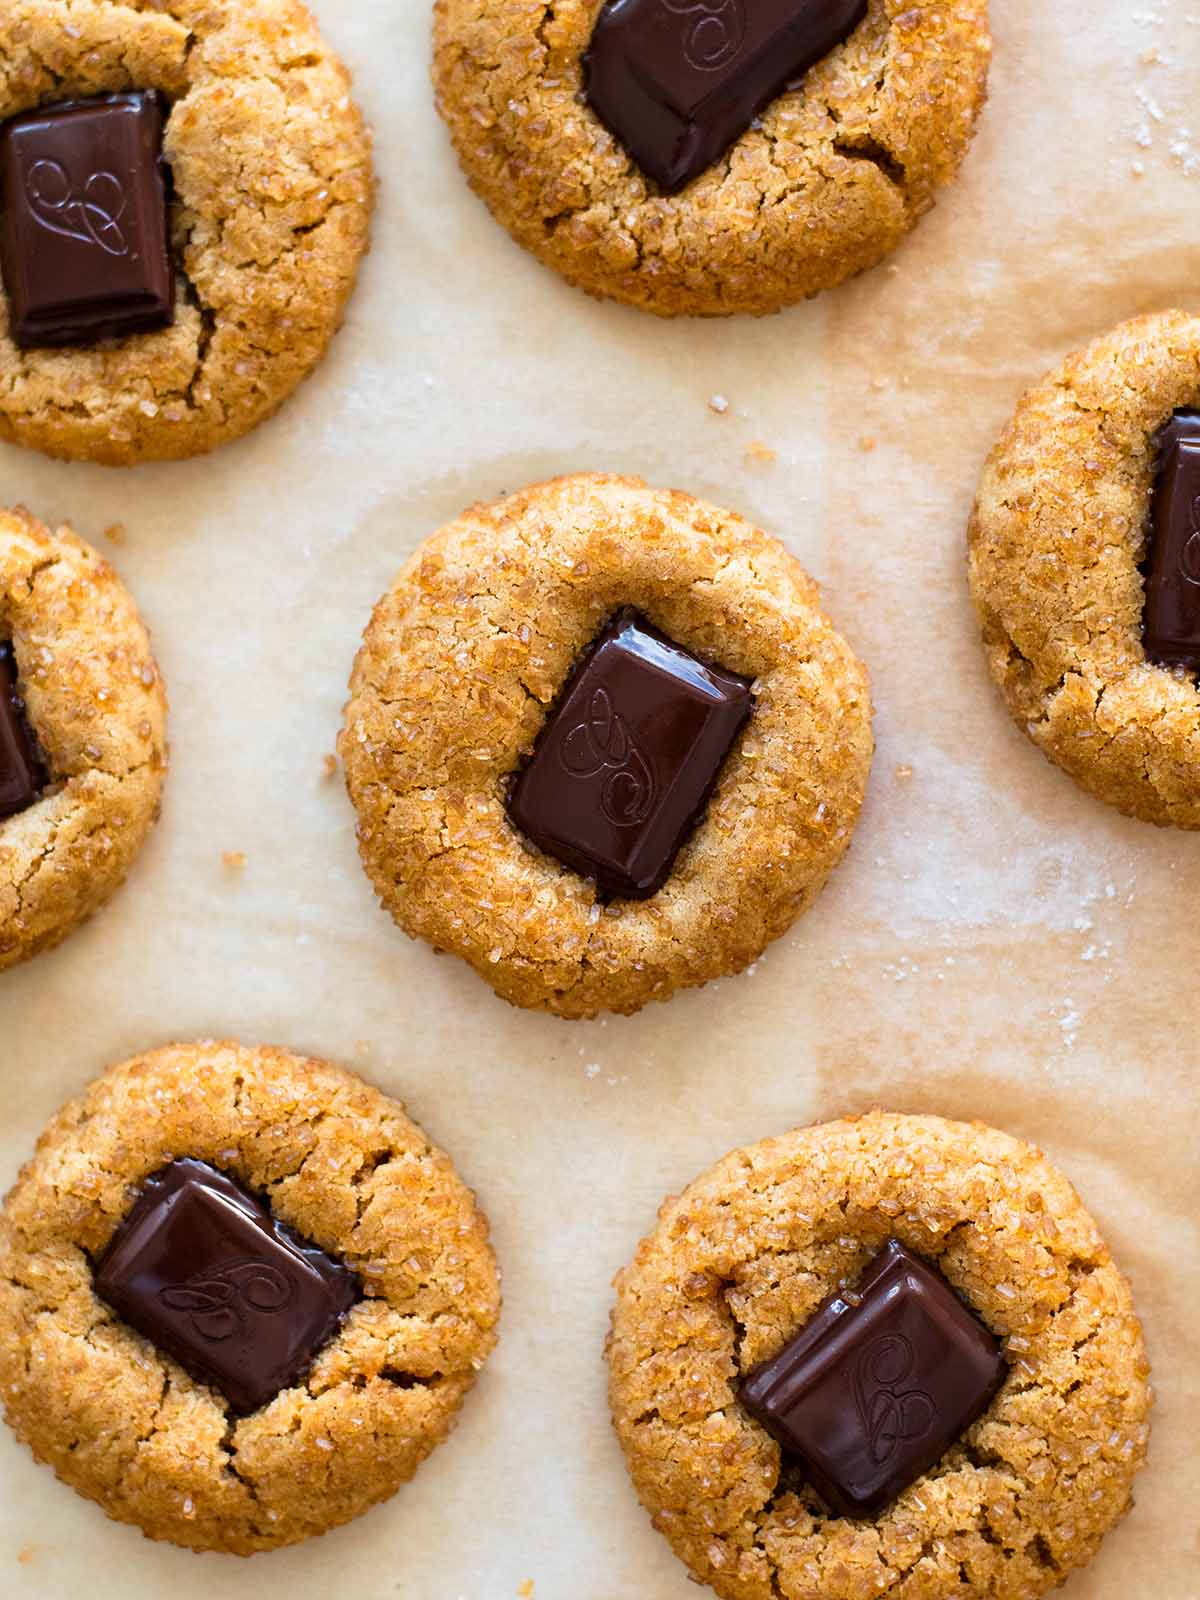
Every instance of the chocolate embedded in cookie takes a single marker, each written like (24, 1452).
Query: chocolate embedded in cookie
(23, 773)
(203, 1270)
(677, 81)
(874, 1390)
(768, 189)
(460, 680)
(92, 753)
(1083, 567)
(749, 1253)
(1172, 615)
(85, 242)
(627, 759)
(118, 1418)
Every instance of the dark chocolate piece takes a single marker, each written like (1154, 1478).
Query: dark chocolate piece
(875, 1389)
(677, 81)
(84, 238)
(1172, 613)
(23, 773)
(206, 1273)
(628, 757)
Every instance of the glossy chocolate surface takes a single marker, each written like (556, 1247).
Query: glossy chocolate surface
(628, 757)
(23, 773)
(202, 1269)
(84, 240)
(1172, 612)
(879, 1384)
(677, 81)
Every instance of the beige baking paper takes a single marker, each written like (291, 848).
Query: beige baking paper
(996, 945)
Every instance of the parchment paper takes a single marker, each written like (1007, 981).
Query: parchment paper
(997, 945)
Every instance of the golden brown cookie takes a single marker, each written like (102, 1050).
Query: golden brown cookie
(125, 1425)
(740, 1262)
(96, 704)
(824, 184)
(458, 668)
(273, 189)
(1057, 539)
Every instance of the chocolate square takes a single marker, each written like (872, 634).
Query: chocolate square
(1172, 611)
(202, 1269)
(874, 1390)
(628, 757)
(677, 81)
(23, 773)
(84, 238)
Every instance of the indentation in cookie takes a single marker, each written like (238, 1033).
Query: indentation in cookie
(202, 1269)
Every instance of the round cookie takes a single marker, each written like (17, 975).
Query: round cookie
(273, 188)
(123, 1424)
(1056, 542)
(459, 666)
(739, 1263)
(823, 185)
(95, 701)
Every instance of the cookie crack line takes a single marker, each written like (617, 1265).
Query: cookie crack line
(286, 65)
(40, 859)
(877, 155)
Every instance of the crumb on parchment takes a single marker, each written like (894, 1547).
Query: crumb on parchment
(756, 450)
(235, 860)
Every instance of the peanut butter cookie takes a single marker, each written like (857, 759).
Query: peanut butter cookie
(927, 1315)
(603, 744)
(268, 218)
(82, 734)
(823, 178)
(1062, 531)
(242, 1297)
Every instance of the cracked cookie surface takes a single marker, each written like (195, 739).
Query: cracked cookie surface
(824, 184)
(123, 1424)
(96, 701)
(1056, 543)
(460, 664)
(742, 1259)
(272, 179)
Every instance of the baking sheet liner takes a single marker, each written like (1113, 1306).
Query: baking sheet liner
(996, 945)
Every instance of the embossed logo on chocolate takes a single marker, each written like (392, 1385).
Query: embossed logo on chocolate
(223, 1302)
(92, 214)
(890, 1414)
(603, 743)
(1189, 561)
(716, 34)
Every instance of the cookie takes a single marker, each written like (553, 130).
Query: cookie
(1058, 540)
(270, 194)
(82, 734)
(783, 1248)
(286, 1389)
(823, 183)
(487, 677)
